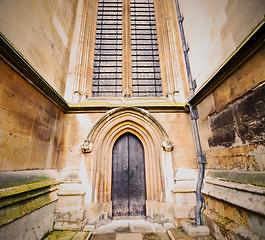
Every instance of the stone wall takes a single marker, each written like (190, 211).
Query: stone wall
(231, 119)
(215, 29)
(42, 32)
(81, 170)
(30, 136)
(30, 125)
(231, 124)
(177, 125)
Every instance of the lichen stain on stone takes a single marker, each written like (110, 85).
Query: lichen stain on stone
(250, 116)
(150, 236)
(244, 118)
(223, 129)
(62, 235)
(14, 211)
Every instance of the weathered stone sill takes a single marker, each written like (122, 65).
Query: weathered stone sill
(16, 202)
(252, 178)
(245, 196)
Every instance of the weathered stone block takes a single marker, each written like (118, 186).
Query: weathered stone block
(31, 226)
(70, 226)
(71, 189)
(68, 201)
(89, 228)
(168, 225)
(183, 198)
(227, 92)
(184, 211)
(70, 215)
(195, 230)
(214, 229)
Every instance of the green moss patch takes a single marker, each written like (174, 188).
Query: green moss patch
(6, 192)
(62, 235)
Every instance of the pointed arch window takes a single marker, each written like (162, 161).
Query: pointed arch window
(126, 61)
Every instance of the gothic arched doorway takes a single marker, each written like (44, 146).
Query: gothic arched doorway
(128, 177)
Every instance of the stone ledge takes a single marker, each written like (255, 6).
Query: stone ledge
(7, 192)
(237, 194)
(15, 211)
(15, 202)
(218, 225)
(11, 179)
(236, 186)
(16, 198)
(72, 193)
(252, 178)
(69, 226)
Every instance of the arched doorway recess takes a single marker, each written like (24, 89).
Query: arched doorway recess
(100, 144)
(128, 188)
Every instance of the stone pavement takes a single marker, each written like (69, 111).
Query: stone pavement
(175, 234)
(126, 230)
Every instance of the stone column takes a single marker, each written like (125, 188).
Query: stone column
(126, 50)
(80, 70)
(166, 21)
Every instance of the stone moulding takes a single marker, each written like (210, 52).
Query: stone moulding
(15, 202)
(15, 60)
(88, 144)
(156, 143)
(246, 196)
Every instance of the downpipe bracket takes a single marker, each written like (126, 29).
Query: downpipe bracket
(202, 158)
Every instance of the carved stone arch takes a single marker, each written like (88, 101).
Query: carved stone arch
(103, 137)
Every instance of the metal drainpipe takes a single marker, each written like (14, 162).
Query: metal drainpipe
(194, 116)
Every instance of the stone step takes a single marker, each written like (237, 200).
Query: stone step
(129, 226)
(176, 234)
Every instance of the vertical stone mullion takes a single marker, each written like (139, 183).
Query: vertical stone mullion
(92, 11)
(126, 49)
(161, 43)
(163, 35)
(82, 81)
(84, 45)
(169, 8)
(78, 70)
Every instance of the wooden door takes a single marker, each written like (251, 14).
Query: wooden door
(128, 177)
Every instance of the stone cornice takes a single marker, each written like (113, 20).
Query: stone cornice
(17, 61)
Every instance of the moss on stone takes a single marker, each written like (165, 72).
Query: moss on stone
(62, 235)
(252, 178)
(20, 209)
(5, 192)
(14, 180)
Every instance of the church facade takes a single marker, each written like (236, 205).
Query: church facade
(132, 109)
